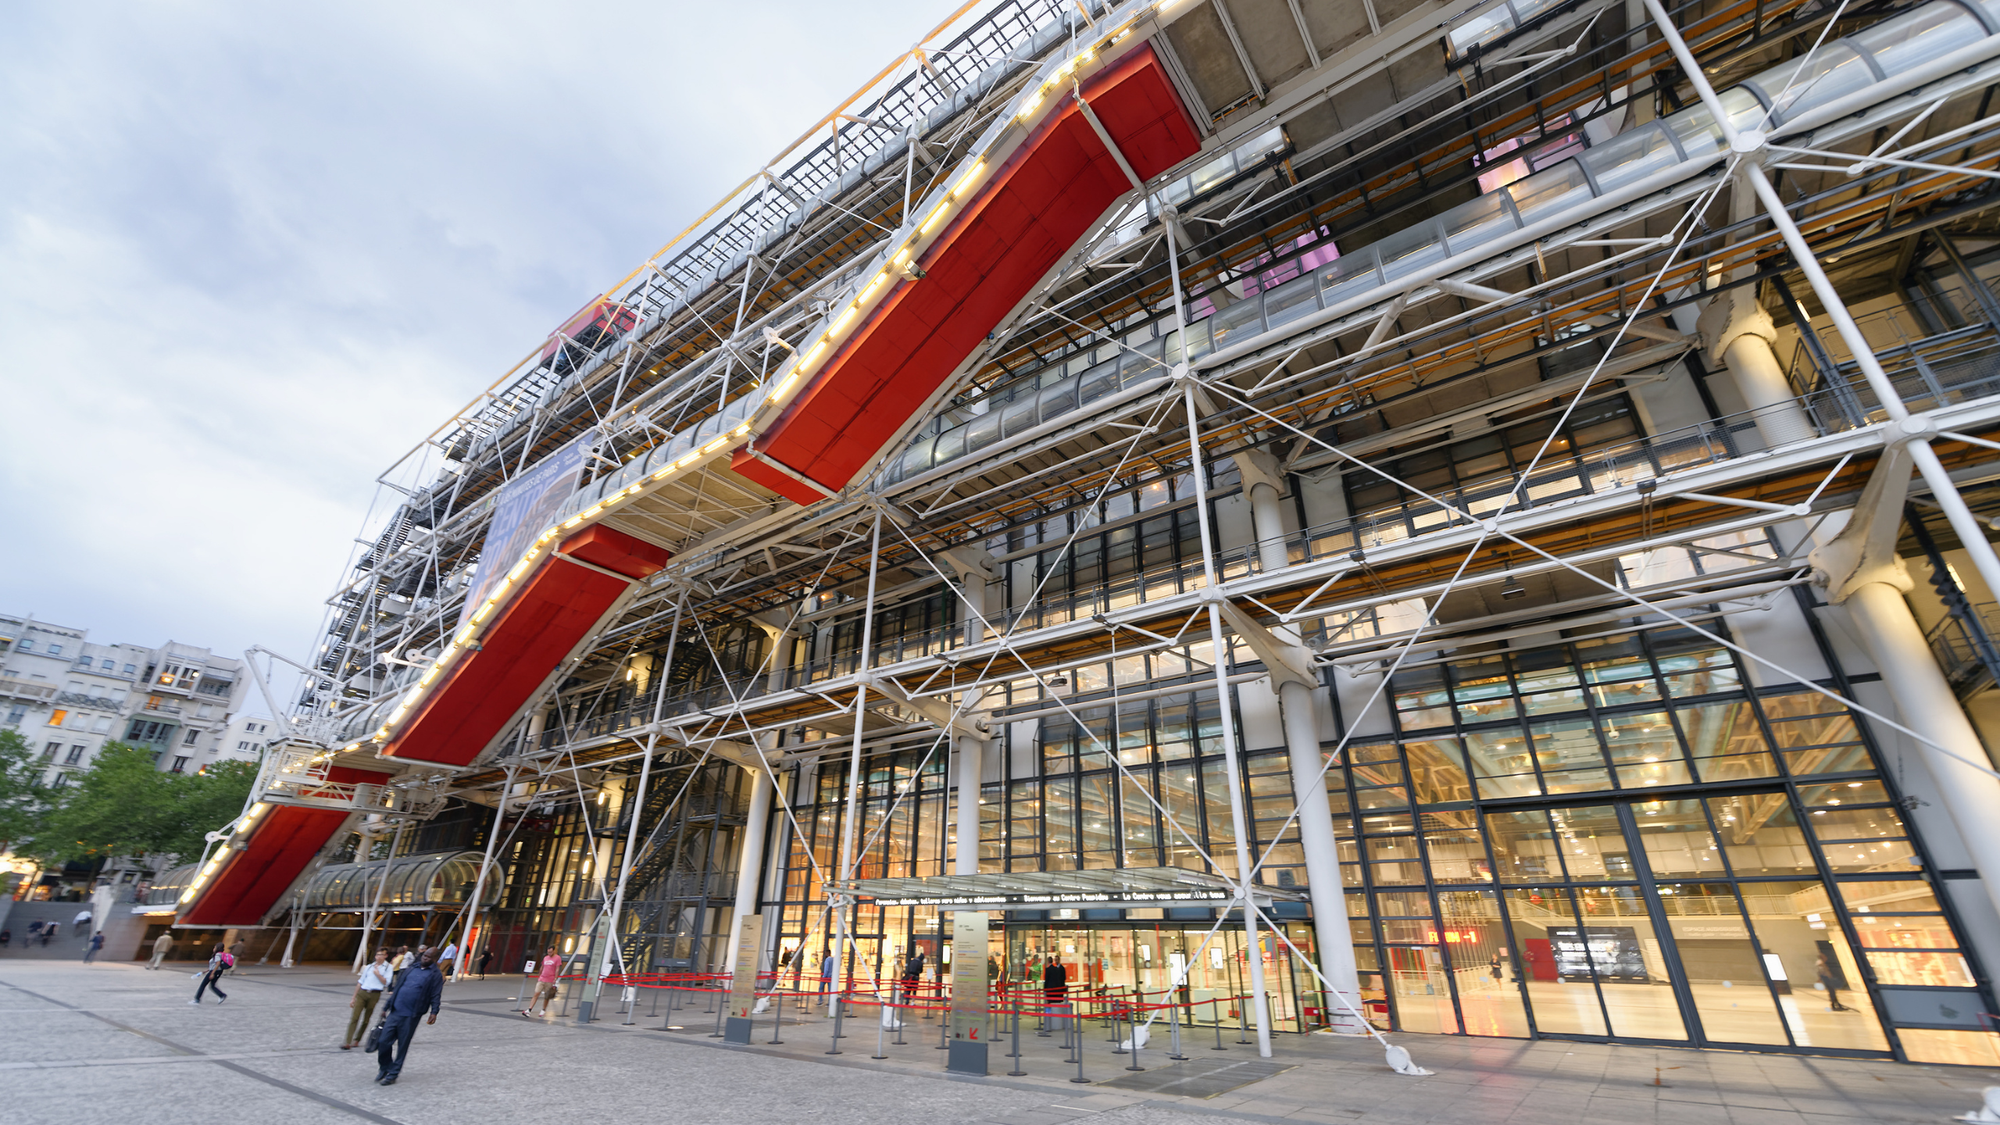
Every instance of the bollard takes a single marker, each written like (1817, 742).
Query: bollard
(1215, 1014)
(1016, 1056)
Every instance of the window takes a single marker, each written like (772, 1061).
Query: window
(55, 650)
(146, 730)
(57, 716)
(243, 746)
(59, 780)
(180, 765)
(16, 713)
(74, 756)
(49, 751)
(130, 669)
(191, 736)
(83, 661)
(26, 646)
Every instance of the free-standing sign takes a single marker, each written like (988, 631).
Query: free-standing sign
(968, 992)
(743, 985)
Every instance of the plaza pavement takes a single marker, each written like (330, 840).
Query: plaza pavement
(114, 1044)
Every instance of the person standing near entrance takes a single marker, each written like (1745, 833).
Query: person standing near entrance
(91, 947)
(162, 945)
(375, 977)
(485, 956)
(546, 985)
(913, 974)
(1831, 980)
(826, 976)
(422, 987)
(448, 959)
(1055, 984)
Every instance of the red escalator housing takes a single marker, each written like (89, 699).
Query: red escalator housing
(1033, 209)
(557, 606)
(285, 840)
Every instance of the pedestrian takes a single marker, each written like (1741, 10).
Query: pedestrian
(546, 986)
(48, 932)
(91, 947)
(448, 960)
(162, 945)
(401, 960)
(211, 977)
(1832, 980)
(913, 972)
(1055, 984)
(6, 938)
(375, 978)
(485, 956)
(826, 976)
(421, 988)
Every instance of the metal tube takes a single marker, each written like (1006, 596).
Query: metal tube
(847, 837)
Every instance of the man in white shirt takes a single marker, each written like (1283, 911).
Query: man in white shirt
(375, 976)
(448, 959)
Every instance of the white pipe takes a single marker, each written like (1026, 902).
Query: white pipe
(750, 862)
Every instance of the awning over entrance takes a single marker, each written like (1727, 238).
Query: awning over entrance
(1067, 890)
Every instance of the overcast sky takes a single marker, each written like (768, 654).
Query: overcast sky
(249, 253)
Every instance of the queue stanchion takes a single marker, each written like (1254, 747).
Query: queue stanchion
(656, 1002)
(839, 1010)
(713, 1006)
(777, 1013)
(1016, 1055)
(1042, 1018)
(1215, 1015)
(1132, 1026)
(720, 1010)
(1242, 1021)
(882, 1022)
(944, 1022)
(901, 999)
(1076, 1045)
(1117, 1008)
(1174, 1027)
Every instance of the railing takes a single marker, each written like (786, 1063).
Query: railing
(25, 689)
(1927, 370)
(1958, 651)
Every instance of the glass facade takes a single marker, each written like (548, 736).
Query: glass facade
(1609, 837)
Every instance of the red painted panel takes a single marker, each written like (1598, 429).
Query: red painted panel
(284, 842)
(1032, 210)
(556, 607)
(614, 550)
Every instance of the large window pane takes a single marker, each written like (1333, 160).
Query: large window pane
(1559, 979)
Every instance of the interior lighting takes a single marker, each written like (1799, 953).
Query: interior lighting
(712, 446)
(1512, 589)
(936, 218)
(965, 181)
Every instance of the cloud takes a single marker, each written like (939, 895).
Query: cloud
(253, 253)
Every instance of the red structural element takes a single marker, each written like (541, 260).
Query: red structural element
(1031, 211)
(284, 841)
(556, 607)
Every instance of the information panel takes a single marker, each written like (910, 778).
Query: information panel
(743, 985)
(968, 976)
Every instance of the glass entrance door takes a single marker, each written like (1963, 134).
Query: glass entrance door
(1113, 960)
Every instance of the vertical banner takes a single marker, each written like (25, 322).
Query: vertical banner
(743, 985)
(969, 1007)
(521, 509)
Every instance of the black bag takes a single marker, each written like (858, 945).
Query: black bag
(372, 1043)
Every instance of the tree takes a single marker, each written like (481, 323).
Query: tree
(124, 805)
(23, 797)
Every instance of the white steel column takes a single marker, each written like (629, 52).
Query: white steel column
(750, 861)
(837, 903)
(1219, 650)
(1737, 332)
(974, 565)
(1331, 933)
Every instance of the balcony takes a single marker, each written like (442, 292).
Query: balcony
(34, 690)
(81, 699)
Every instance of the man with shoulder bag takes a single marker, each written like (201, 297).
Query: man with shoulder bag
(421, 987)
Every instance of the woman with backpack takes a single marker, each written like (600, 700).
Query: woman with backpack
(211, 977)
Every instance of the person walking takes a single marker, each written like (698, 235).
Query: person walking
(162, 945)
(375, 977)
(485, 957)
(421, 988)
(211, 977)
(546, 985)
(91, 947)
(400, 960)
(448, 960)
